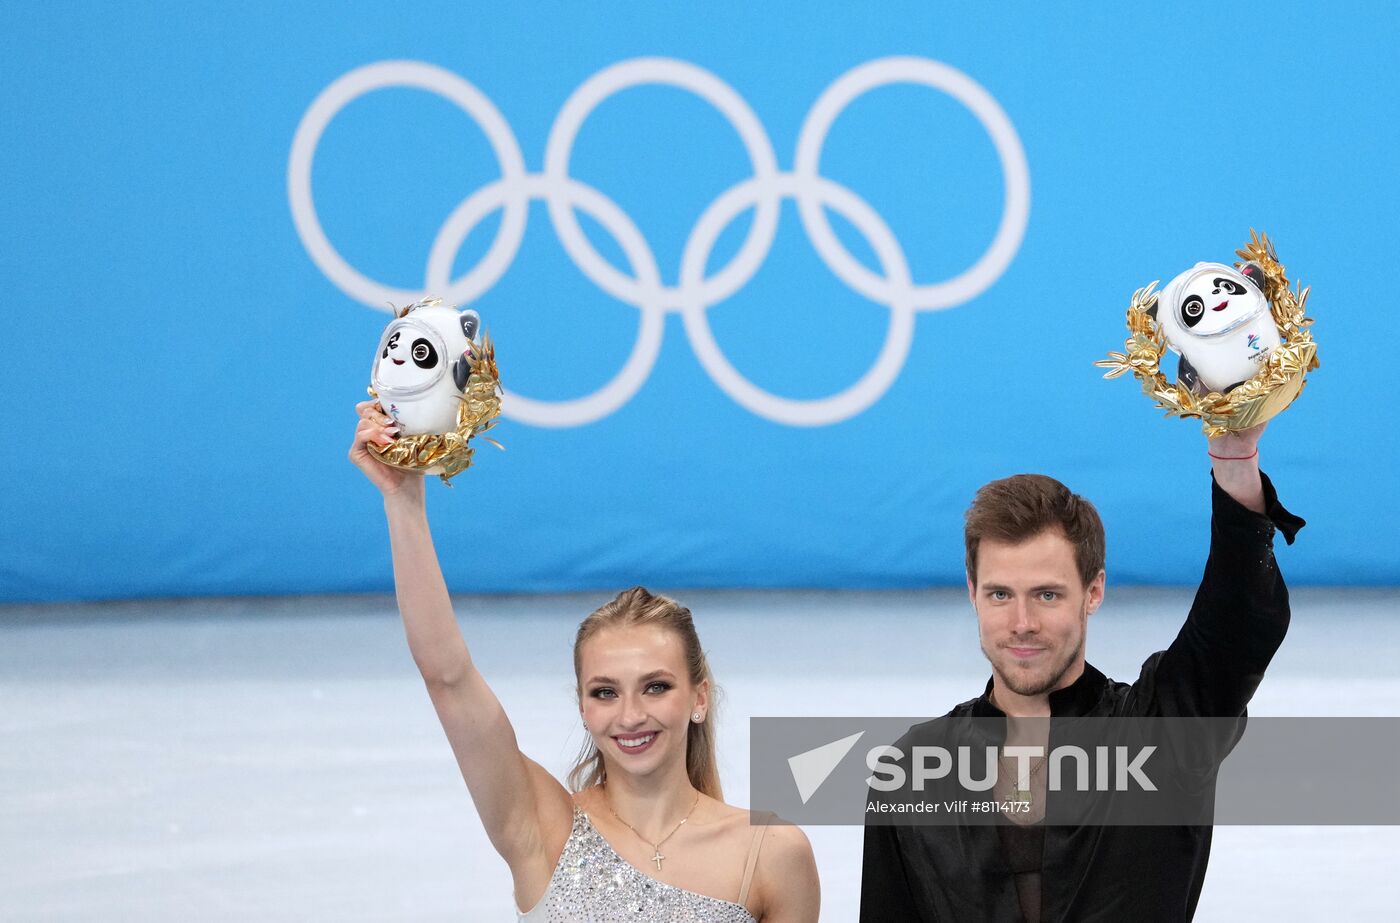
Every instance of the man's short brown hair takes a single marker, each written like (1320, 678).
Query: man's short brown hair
(1020, 507)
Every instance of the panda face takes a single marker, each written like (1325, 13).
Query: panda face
(410, 357)
(1216, 300)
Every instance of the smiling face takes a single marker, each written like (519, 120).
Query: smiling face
(637, 700)
(1216, 299)
(409, 358)
(1032, 614)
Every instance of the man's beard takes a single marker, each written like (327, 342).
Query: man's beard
(1030, 685)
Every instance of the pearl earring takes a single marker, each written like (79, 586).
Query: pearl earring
(695, 717)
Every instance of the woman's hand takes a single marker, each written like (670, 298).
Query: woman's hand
(376, 426)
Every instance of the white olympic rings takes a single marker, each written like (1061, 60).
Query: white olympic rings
(694, 292)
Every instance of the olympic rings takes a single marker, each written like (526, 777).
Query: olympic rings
(694, 292)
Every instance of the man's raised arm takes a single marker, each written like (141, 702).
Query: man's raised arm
(1241, 611)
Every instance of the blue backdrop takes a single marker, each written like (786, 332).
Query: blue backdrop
(776, 287)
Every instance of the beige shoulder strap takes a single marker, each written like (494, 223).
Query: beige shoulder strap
(752, 861)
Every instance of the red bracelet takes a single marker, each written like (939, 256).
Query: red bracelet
(1253, 454)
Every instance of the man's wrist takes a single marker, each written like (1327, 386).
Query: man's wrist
(1239, 476)
(1224, 456)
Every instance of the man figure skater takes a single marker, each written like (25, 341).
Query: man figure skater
(1035, 573)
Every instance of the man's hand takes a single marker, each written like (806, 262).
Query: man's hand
(1234, 458)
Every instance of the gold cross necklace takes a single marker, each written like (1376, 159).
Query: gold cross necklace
(657, 857)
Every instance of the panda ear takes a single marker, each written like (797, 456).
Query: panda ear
(471, 322)
(461, 369)
(1151, 309)
(1254, 273)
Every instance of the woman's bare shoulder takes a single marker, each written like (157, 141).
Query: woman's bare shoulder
(778, 834)
(785, 843)
(788, 888)
(785, 884)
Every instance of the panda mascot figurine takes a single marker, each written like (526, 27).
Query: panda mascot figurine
(422, 366)
(1216, 318)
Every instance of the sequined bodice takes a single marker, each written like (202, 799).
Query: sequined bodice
(593, 884)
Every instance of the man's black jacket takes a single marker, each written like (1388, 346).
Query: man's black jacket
(941, 874)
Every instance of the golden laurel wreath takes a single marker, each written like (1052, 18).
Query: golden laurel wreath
(1273, 387)
(449, 454)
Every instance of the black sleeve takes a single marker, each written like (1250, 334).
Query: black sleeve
(884, 887)
(1237, 621)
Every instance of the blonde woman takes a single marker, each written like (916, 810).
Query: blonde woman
(642, 832)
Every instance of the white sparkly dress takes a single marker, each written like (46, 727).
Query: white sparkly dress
(593, 884)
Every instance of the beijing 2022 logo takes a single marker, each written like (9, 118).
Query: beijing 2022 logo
(695, 291)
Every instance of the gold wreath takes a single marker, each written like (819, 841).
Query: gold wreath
(479, 406)
(1279, 380)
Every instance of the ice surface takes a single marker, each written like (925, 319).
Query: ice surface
(278, 759)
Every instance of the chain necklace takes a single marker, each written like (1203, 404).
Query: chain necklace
(1017, 795)
(657, 857)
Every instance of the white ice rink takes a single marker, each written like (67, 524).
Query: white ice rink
(278, 759)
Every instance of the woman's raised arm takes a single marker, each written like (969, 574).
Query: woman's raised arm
(526, 812)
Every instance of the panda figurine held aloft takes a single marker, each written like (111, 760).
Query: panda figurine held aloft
(1217, 319)
(423, 364)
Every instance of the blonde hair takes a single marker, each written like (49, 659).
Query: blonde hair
(638, 606)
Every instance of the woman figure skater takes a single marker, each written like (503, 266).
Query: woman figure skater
(642, 832)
